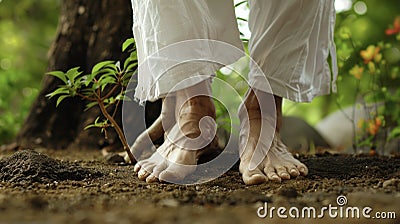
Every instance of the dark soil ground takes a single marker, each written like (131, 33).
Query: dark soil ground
(46, 186)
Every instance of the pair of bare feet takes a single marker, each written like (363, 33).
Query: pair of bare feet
(186, 118)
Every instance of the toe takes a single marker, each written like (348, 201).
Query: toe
(282, 172)
(138, 166)
(159, 168)
(143, 174)
(151, 179)
(302, 169)
(154, 176)
(175, 173)
(170, 176)
(272, 175)
(146, 169)
(293, 171)
(254, 177)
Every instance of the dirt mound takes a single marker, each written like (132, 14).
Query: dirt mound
(350, 166)
(31, 166)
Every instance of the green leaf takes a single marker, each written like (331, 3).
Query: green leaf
(104, 124)
(110, 101)
(90, 92)
(81, 80)
(90, 126)
(394, 133)
(107, 79)
(130, 63)
(72, 92)
(107, 72)
(127, 43)
(101, 65)
(103, 86)
(126, 78)
(61, 98)
(131, 67)
(72, 74)
(96, 85)
(90, 105)
(89, 79)
(366, 142)
(123, 97)
(59, 91)
(60, 75)
(119, 97)
(133, 56)
(94, 125)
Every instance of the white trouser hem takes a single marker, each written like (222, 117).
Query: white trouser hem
(181, 65)
(278, 88)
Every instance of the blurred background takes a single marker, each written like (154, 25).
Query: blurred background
(367, 38)
(27, 29)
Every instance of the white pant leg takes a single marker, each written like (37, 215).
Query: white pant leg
(291, 41)
(159, 28)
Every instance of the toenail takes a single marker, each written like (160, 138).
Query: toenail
(284, 175)
(276, 178)
(141, 173)
(151, 179)
(137, 167)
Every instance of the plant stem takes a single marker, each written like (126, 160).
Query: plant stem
(85, 97)
(355, 143)
(117, 129)
(110, 92)
(116, 108)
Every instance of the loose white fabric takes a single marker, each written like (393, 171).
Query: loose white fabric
(291, 41)
(164, 32)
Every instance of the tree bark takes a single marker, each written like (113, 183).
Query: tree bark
(88, 32)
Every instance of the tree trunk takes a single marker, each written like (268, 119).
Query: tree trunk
(88, 32)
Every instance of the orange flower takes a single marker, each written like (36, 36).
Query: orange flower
(357, 71)
(396, 27)
(378, 122)
(374, 125)
(371, 53)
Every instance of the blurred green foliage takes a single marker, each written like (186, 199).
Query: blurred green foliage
(26, 31)
(365, 29)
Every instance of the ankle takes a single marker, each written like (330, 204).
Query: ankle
(253, 106)
(251, 102)
(203, 105)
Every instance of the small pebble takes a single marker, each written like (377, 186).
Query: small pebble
(390, 182)
(169, 203)
(114, 158)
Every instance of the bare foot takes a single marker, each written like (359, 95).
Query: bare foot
(273, 161)
(185, 141)
(144, 142)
